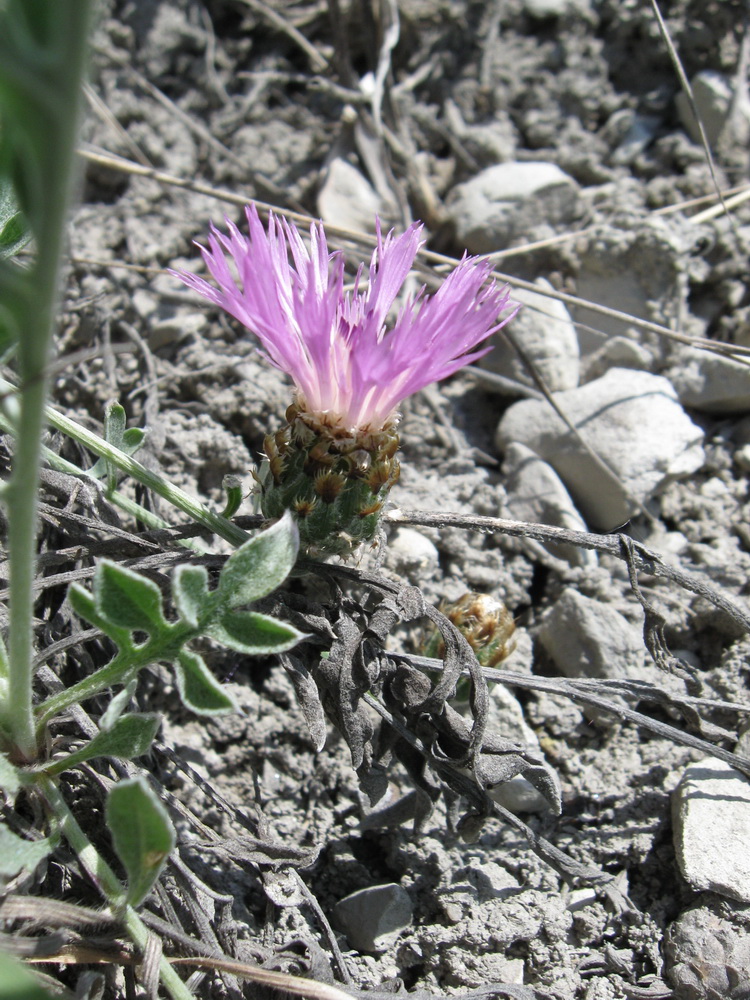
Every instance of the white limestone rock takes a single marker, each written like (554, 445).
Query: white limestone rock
(712, 92)
(637, 270)
(710, 383)
(633, 421)
(535, 492)
(711, 824)
(347, 199)
(508, 200)
(546, 333)
(587, 638)
(543, 9)
(411, 554)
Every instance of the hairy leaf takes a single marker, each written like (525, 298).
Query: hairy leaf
(17, 854)
(125, 598)
(260, 565)
(190, 593)
(82, 602)
(199, 689)
(250, 632)
(117, 706)
(142, 834)
(9, 780)
(130, 736)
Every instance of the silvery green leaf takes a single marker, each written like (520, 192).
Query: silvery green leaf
(126, 599)
(260, 565)
(142, 834)
(190, 593)
(250, 632)
(117, 706)
(17, 854)
(199, 689)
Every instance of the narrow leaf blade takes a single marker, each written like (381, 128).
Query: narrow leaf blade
(142, 834)
(117, 706)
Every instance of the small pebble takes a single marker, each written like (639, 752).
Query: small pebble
(373, 918)
(711, 828)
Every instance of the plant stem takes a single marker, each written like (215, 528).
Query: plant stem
(42, 57)
(22, 503)
(120, 670)
(128, 506)
(108, 884)
(195, 510)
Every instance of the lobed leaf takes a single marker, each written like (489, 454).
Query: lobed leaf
(129, 737)
(132, 439)
(142, 834)
(125, 598)
(190, 593)
(260, 565)
(17, 854)
(250, 632)
(199, 689)
(82, 602)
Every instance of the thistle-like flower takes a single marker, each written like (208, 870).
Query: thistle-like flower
(334, 462)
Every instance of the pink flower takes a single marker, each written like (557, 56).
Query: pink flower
(335, 344)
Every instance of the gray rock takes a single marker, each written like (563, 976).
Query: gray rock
(637, 270)
(586, 638)
(373, 918)
(707, 955)
(712, 92)
(535, 492)
(505, 716)
(711, 828)
(617, 352)
(494, 141)
(411, 553)
(546, 333)
(708, 382)
(542, 9)
(508, 200)
(629, 134)
(347, 198)
(631, 419)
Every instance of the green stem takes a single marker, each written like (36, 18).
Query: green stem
(120, 670)
(39, 88)
(22, 501)
(128, 506)
(108, 884)
(195, 510)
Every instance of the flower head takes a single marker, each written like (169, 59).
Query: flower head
(345, 362)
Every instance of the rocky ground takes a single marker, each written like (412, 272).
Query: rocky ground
(552, 134)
